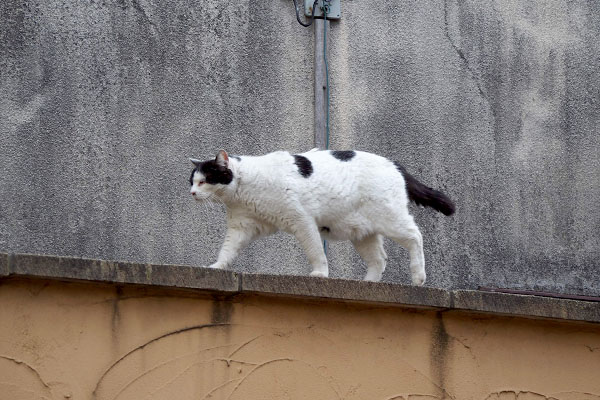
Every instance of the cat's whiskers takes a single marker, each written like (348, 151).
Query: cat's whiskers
(212, 203)
(216, 199)
(216, 202)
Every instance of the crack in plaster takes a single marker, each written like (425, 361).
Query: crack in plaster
(209, 394)
(461, 342)
(244, 345)
(428, 379)
(135, 4)
(229, 361)
(464, 60)
(29, 367)
(137, 378)
(596, 395)
(94, 392)
(190, 367)
(466, 347)
(517, 393)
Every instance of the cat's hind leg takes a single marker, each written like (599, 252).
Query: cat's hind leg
(406, 233)
(307, 233)
(372, 252)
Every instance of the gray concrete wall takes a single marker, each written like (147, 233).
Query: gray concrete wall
(496, 103)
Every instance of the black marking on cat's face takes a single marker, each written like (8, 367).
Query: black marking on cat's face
(213, 173)
(325, 229)
(304, 165)
(343, 155)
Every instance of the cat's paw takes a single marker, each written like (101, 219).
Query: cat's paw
(216, 266)
(373, 275)
(319, 274)
(418, 278)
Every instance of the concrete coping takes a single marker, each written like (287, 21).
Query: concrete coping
(227, 282)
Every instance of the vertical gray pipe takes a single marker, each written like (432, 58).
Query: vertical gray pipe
(320, 85)
(320, 91)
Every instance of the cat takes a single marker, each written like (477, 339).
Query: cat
(320, 194)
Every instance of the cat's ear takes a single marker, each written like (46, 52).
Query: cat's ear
(195, 162)
(222, 158)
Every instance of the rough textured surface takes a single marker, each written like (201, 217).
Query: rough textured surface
(175, 276)
(4, 271)
(529, 306)
(338, 289)
(495, 103)
(229, 283)
(89, 341)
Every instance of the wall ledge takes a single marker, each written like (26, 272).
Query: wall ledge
(226, 282)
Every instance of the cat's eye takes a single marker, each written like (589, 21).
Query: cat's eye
(201, 183)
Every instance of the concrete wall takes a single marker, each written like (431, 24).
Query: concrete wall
(496, 103)
(86, 341)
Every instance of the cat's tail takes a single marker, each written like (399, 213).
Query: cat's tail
(426, 196)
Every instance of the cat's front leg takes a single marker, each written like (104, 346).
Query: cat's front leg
(307, 233)
(236, 239)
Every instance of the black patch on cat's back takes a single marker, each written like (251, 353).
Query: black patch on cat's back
(343, 155)
(304, 165)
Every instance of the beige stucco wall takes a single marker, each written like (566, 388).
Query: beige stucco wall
(86, 341)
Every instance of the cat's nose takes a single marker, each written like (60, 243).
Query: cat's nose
(194, 194)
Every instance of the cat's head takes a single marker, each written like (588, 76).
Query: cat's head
(209, 177)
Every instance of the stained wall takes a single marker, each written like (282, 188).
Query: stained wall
(494, 102)
(87, 341)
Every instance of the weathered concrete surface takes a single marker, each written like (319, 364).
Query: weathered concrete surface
(231, 284)
(174, 276)
(495, 102)
(527, 306)
(4, 269)
(88, 341)
(351, 290)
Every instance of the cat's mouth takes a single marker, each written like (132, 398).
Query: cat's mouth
(203, 197)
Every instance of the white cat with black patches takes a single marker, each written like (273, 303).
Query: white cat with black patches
(333, 195)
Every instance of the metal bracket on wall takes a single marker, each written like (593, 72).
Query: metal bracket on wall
(333, 13)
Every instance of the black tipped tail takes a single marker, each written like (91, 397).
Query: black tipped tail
(426, 196)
